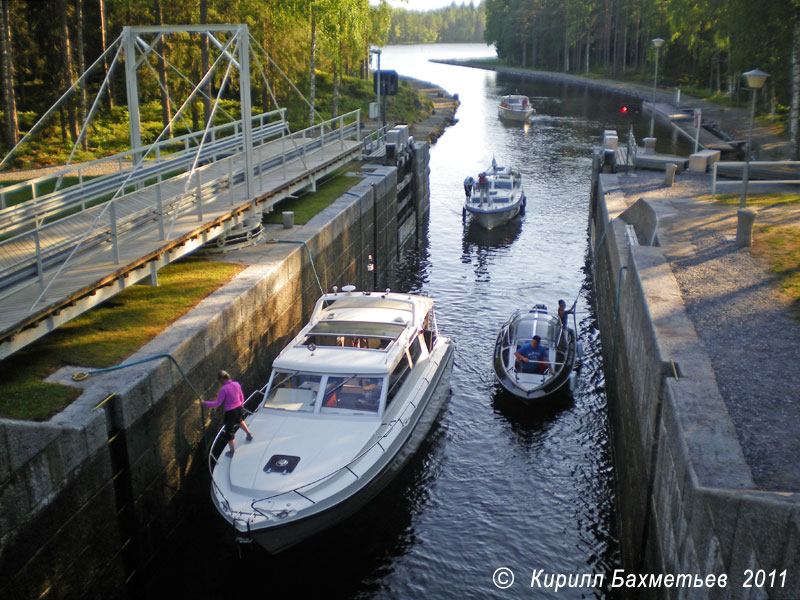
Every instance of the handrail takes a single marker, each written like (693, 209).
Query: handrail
(184, 139)
(751, 181)
(82, 375)
(38, 247)
(42, 207)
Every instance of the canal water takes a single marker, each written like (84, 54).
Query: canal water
(494, 487)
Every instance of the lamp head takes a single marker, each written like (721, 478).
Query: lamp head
(657, 42)
(755, 78)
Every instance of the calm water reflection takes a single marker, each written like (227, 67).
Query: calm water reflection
(493, 486)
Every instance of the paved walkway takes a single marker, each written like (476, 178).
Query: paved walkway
(744, 321)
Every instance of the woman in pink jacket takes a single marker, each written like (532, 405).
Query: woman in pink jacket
(232, 400)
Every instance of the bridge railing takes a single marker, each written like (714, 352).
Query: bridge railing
(42, 204)
(375, 140)
(26, 256)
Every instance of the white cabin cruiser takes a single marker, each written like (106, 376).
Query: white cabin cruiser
(495, 197)
(515, 107)
(538, 379)
(349, 401)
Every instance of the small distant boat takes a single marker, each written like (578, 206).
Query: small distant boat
(534, 380)
(350, 399)
(515, 107)
(497, 200)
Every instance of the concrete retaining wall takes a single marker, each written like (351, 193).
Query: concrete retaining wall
(88, 498)
(686, 499)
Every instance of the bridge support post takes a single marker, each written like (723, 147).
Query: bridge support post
(199, 197)
(112, 208)
(160, 205)
(132, 88)
(230, 180)
(39, 267)
(244, 96)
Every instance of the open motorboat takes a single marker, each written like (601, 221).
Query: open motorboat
(349, 401)
(535, 380)
(515, 107)
(495, 198)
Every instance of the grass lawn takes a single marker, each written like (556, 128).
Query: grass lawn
(311, 203)
(777, 245)
(104, 336)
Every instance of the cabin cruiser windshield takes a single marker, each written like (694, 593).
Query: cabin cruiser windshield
(293, 391)
(343, 394)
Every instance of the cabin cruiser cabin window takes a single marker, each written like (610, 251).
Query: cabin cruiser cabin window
(397, 378)
(350, 334)
(293, 391)
(352, 394)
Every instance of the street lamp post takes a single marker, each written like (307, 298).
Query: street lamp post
(657, 42)
(755, 81)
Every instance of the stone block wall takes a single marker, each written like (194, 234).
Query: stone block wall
(90, 497)
(686, 500)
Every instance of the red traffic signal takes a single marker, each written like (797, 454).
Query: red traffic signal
(624, 110)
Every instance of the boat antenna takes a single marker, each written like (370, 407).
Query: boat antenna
(494, 163)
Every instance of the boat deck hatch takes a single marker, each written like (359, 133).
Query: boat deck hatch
(281, 463)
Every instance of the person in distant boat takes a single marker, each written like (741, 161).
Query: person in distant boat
(232, 400)
(563, 312)
(533, 357)
(469, 183)
(483, 188)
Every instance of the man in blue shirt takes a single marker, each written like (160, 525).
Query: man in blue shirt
(533, 357)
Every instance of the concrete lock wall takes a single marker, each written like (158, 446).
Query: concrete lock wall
(89, 497)
(686, 500)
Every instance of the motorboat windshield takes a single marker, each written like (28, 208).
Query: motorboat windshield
(342, 394)
(525, 328)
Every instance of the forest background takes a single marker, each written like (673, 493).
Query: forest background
(46, 44)
(708, 45)
(321, 46)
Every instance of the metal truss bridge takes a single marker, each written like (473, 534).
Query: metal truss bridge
(64, 251)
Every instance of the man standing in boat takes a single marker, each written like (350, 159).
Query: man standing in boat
(483, 188)
(533, 357)
(232, 400)
(563, 312)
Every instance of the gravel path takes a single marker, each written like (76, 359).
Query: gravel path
(740, 315)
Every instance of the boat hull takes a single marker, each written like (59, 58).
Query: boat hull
(277, 537)
(514, 115)
(489, 218)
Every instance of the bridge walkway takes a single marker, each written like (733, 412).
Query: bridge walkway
(98, 252)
